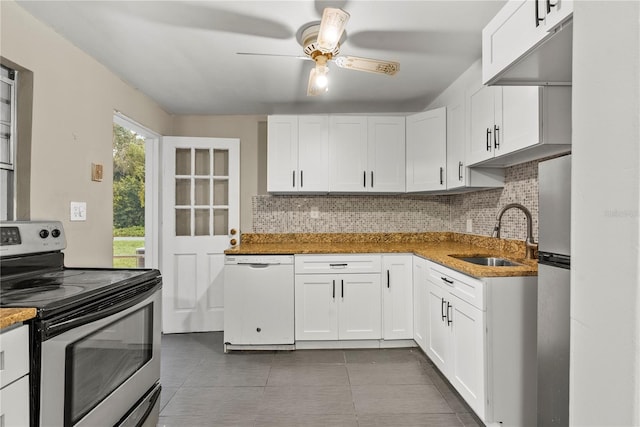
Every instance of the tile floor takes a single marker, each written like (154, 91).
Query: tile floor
(202, 386)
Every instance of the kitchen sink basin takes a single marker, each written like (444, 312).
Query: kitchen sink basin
(488, 261)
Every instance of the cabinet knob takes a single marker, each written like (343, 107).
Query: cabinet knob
(233, 232)
(233, 242)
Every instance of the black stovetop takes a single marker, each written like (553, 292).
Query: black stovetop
(54, 288)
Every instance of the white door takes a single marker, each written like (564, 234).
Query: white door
(348, 168)
(386, 152)
(427, 150)
(467, 367)
(282, 153)
(397, 297)
(439, 335)
(359, 307)
(313, 153)
(200, 211)
(316, 306)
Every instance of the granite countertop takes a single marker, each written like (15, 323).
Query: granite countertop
(434, 246)
(11, 316)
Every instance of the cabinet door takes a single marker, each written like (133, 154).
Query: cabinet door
(348, 167)
(316, 308)
(313, 153)
(521, 119)
(282, 153)
(467, 370)
(438, 332)
(456, 166)
(420, 303)
(386, 154)
(14, 403)
(397, 297)
(482, 110)
(360, 308)
(427, 150)
(511, 33)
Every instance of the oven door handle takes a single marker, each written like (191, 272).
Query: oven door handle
(99, 310)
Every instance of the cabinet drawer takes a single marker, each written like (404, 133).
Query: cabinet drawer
(464, 287)
(14, 403)
(14, 354)
(338, 263)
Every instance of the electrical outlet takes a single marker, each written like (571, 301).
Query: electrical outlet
(315, 212)
(78, 211)
(469, 225)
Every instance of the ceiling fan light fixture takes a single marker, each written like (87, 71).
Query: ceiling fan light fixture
(332, 26)
(318, 80)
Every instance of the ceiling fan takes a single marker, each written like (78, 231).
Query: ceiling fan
(321, 43)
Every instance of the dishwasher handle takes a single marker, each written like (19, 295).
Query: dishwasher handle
(257, 264)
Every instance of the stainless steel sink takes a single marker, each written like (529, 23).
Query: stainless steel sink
(488, 261)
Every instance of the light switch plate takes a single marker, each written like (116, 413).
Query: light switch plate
(78, 211)
(96, 172)
(469, 225)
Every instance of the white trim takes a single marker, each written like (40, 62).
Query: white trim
(353, 344)
(152, 194)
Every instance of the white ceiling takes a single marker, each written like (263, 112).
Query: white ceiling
(183, 53)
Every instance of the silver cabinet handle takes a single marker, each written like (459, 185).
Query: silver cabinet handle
(460, 171)
(293, 174)
(496, 140)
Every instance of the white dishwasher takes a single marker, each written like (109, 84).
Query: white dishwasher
(258, 301)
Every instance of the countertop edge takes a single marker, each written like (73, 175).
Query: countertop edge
(12, 316)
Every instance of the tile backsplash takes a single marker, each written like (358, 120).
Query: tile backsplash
(384, 214)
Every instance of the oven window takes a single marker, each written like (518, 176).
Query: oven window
(98, 363)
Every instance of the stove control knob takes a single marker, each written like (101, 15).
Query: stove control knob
(55, 233)
(44, 233)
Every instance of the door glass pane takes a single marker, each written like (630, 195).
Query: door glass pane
(5, 102)
(183, 192)
(202, 192)
(202, 222)
(220, 222)
(220, 192)
(183, 161)
(5, 145)
(183, 222)
(202, 162)
(99, 363)
(221, 162)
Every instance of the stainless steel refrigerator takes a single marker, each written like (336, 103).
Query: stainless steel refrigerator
(554, 262)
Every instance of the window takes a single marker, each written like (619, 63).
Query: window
(7, 141)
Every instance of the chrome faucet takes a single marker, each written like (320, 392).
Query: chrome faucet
(530, 244)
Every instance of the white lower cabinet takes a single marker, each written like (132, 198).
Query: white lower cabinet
(482, 336)
(397, 297)
(14, 377)
(420, 302)
(338, 297)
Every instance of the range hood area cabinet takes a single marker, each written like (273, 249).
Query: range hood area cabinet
(298, 154)
(367, 154)
(529, 42)
(515, 124)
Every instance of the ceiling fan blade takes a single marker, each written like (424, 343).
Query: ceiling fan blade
(331, 28)
(306, 58)
(369, 65)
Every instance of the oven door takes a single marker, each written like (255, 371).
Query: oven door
(100, 372)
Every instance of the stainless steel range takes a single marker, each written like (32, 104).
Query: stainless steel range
(95, 343)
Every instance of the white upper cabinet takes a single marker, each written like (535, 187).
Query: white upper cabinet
(297, 154)
(348, 153)
(528, 42)
(427, 150)
(366, 154)
(386, 141)
(515, 124)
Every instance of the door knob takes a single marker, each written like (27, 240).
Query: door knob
(233, 242)
(233, 232)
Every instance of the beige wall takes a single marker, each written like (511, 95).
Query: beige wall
(74, 98)
(251, 130)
